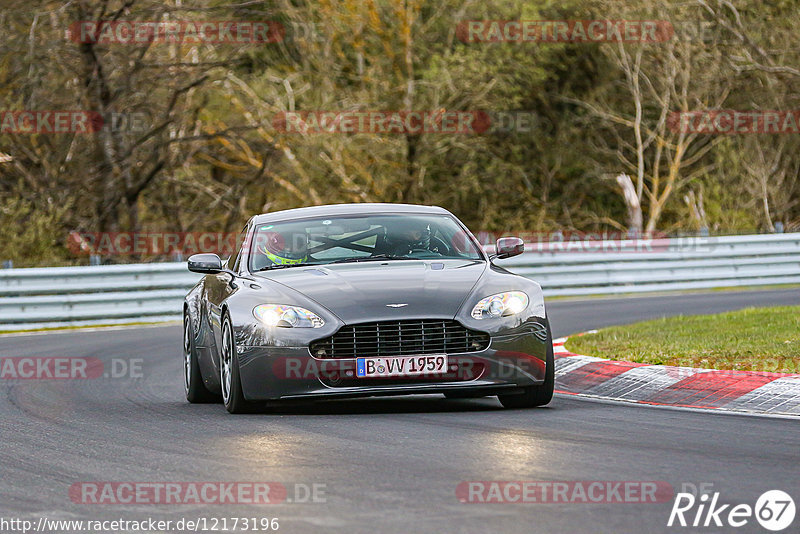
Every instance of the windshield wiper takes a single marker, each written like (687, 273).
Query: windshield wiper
(376, 257)
(287, 265)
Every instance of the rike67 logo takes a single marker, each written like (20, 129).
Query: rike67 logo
(774, 510)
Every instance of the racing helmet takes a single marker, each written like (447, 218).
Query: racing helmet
(285, 248)
(410, 232)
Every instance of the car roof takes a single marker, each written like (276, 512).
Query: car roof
(333, 210)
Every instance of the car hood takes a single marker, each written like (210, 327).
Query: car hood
(361, 292)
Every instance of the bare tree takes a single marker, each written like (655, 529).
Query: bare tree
(660, 79)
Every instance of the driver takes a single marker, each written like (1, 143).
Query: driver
(285, 248)
(409, 235)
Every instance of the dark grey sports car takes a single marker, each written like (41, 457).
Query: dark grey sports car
(363, 300)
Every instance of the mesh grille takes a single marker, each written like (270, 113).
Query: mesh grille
(399, 338)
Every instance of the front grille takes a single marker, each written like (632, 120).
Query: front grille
(400, 338)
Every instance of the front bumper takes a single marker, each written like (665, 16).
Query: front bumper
(515, 358)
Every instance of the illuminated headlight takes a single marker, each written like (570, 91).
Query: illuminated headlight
(500, 305)
(287, 316)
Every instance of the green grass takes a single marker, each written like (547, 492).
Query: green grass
(754, 339)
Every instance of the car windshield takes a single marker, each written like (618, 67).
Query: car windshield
(345, 239)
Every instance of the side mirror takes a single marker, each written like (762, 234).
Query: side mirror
(508, 247)
(205, 263)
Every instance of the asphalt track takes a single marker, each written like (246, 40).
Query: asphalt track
(389, 465)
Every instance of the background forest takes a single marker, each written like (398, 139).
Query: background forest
(196, 147)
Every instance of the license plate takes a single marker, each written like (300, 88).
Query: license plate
(401, 366)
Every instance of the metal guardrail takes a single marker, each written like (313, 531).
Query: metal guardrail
(662, 265)
(77, 296)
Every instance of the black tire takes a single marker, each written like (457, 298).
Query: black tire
(230, 379)
(193, 386)
(536, 395)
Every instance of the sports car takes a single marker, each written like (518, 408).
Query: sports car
(358, 300)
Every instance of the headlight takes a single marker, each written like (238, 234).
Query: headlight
(287, 316)
(500, 305)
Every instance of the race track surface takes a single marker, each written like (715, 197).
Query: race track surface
(389, 465)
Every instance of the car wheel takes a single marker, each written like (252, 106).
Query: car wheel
(232, 396)
(193, 386)
(536, 395)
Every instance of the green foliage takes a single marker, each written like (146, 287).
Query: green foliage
(211, 154)
(33, 234)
